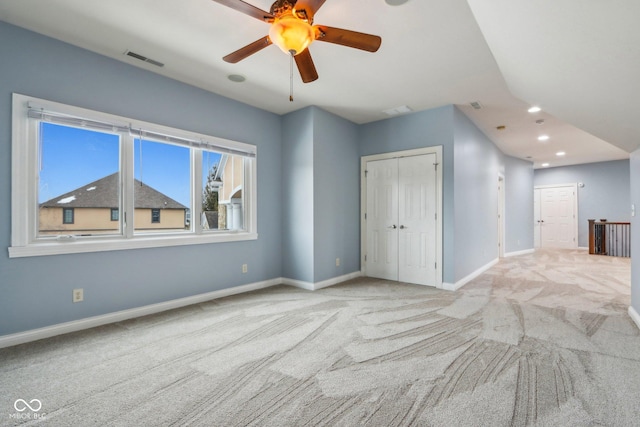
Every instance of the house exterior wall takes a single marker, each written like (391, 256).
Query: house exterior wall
(84, 219)
(170, 219)
(232, 178)
(98, 220)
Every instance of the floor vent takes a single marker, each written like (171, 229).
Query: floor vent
(143, 58)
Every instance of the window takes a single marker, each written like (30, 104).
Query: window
(67, 215)
(85, 181)
(155, 216)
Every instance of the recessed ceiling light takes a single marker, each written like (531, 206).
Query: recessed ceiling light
(237, 78)
(560, 153)
(545, 165)
(395, 2)
(543, 137)
(534, 109)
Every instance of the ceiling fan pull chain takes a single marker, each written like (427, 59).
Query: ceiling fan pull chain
(291, 78)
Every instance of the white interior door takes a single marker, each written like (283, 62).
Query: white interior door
(501, 204)
(536, 218)
(382, 219)
(558, 219)
(401, 221)
(417, 219)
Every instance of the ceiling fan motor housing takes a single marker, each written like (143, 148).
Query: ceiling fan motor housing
(280, 7)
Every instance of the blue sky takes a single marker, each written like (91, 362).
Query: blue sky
(73, 157)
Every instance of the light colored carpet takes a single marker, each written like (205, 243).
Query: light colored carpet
(541, 339)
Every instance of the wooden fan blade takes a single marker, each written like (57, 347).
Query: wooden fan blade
(247, 9)
(309, 6)
(248, 50)
(305, 66)
(348, 38)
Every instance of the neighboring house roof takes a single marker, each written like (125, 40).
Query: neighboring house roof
(103, 193)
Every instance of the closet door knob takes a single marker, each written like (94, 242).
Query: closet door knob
(392, 226)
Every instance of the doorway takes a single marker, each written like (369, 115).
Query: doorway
(556, 216)
(401, 221)
(501, 225)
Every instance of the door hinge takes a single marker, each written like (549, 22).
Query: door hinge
(365, 216)
(436, 165)
(365, 258)
(365, 173)
(435, 265)
(435, 216)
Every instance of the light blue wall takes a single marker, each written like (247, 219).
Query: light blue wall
(308, 188)
(297, 195)
(36, 291)
(336, 196)
(471, 166)
(634, 167)
(518, 204)
(321, 196)
(605, 193)
(421, 129)
(477, 165)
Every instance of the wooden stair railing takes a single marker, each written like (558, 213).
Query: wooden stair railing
(610, 238)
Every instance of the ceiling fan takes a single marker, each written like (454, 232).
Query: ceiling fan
(292, 30)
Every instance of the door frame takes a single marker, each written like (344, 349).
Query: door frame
(576, 219)
(437, 150)
(501, 216)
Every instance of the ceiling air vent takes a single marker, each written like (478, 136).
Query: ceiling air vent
(143, 58)
(476, 105)
(398, 110)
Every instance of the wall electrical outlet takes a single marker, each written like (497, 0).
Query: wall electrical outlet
(78, 295)
(244, 268)
(337, 262)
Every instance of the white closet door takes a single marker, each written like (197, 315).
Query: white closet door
(401, 221)
(417, 219)
(382, 219)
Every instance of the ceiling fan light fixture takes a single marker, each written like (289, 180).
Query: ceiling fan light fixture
(395, 2)
(290, 34)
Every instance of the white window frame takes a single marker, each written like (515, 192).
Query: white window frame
(24, 188)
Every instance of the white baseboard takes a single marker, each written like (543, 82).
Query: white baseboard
(319, 285)
(297, 283)
(460, 283)
(517, 253)
(118, 316)
(634, 316)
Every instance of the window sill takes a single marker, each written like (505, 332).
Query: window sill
(83, 246)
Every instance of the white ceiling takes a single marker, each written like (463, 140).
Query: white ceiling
(578, 60)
